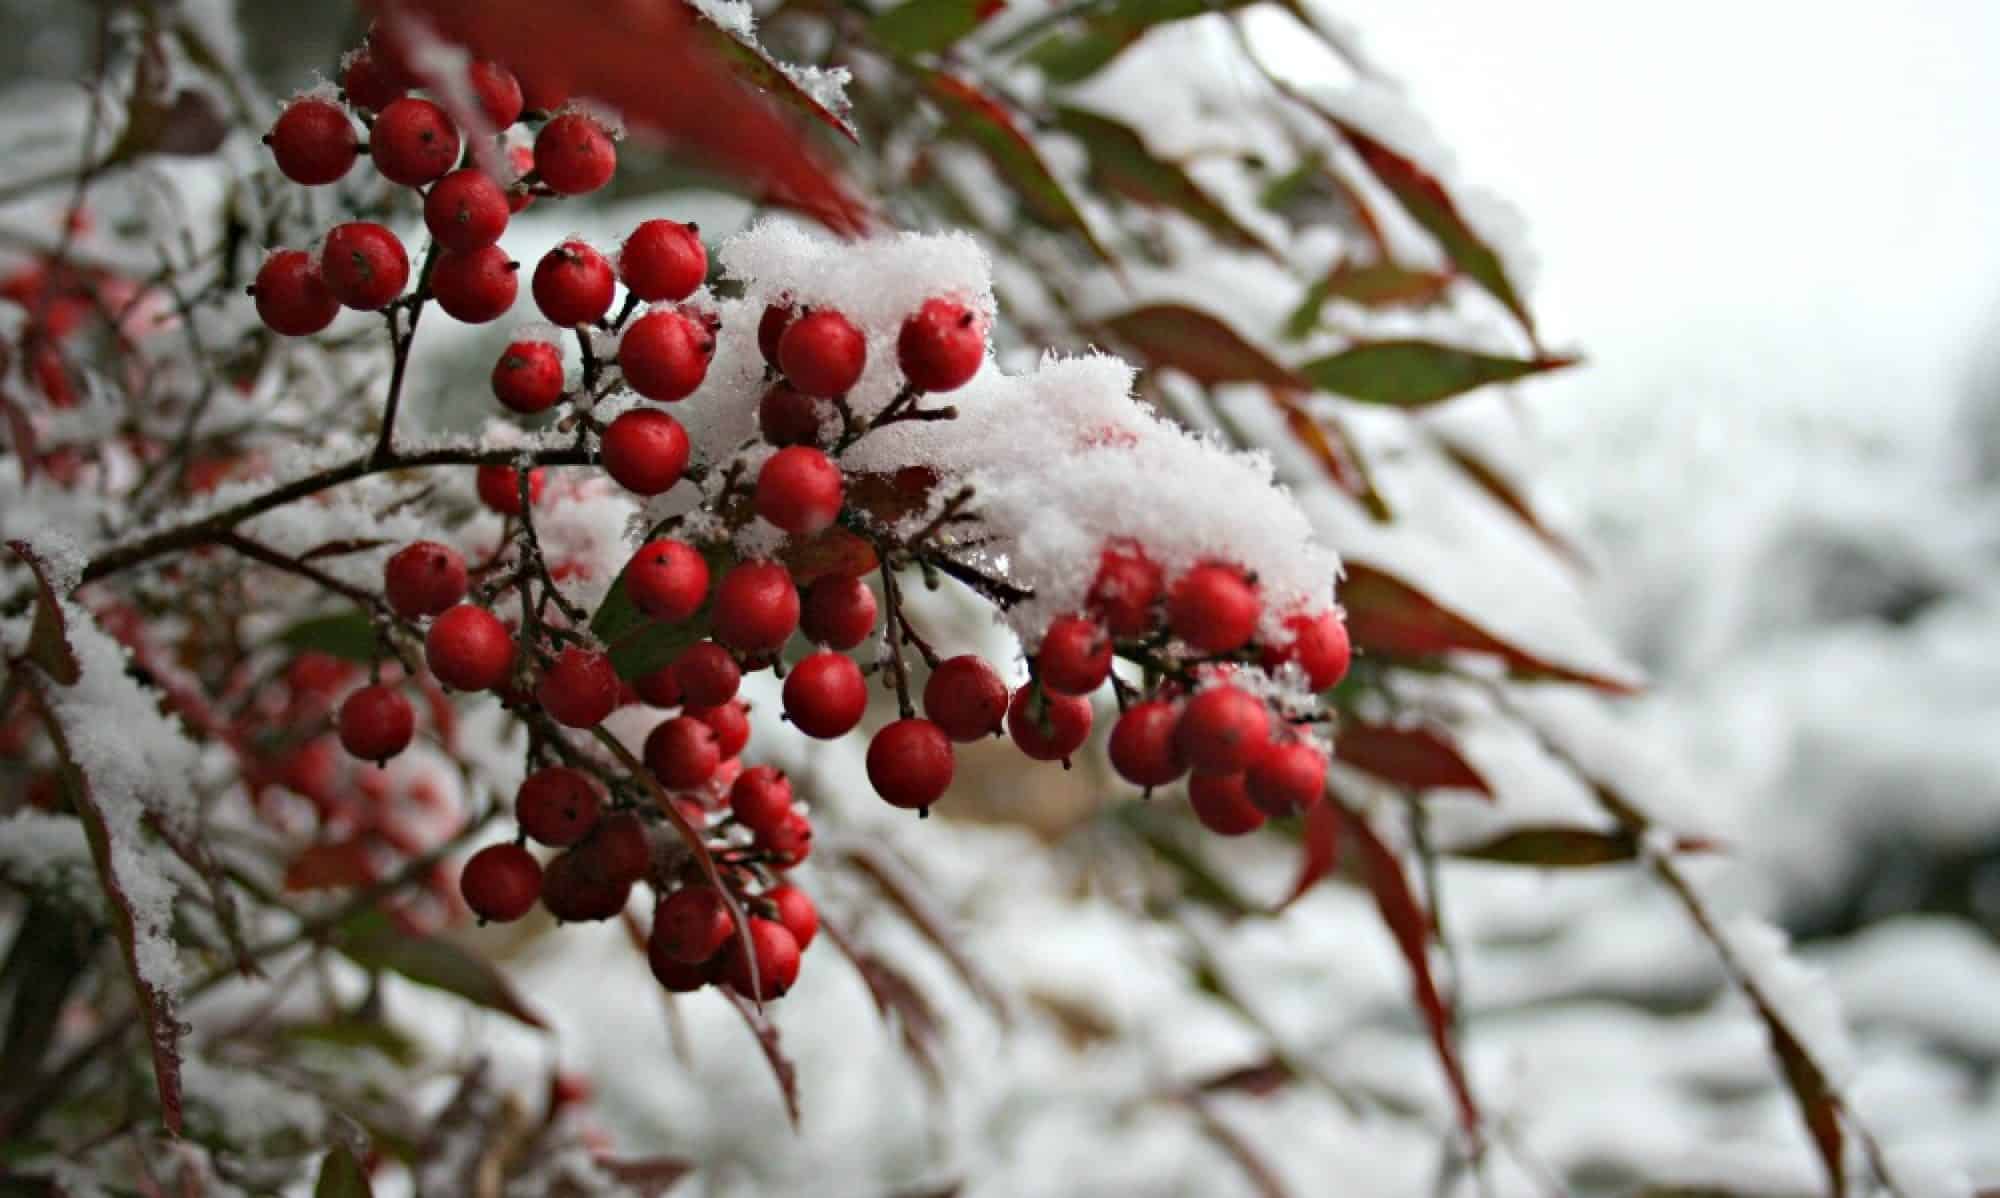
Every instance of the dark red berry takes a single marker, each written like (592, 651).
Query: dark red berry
(761, 799)
(580, 688)
(838, 611)
(825, 695)
(1213, 608)
(368, 86)
(788, 416)
(577, 889)
(789, 841)
(391, 51)
(528, 377)
(799, 489)
(664, 354)
(498, 90)
(1047, 726)
(756, 607)
(1222, 730)
(574, 154)
(291, 297)
(771, 330)
(313, 142)
(475, 287)
(797, 912)
(693, 924)
(667, 580)
(1142, 744)
(469, 649)
(466, 211)
(676, 976)
(545, 85)
(966, 698)
(707, 674)
(1128, 584)
(910, 763)
(501, 882)
(682, 753)
(573, 284)
(363, 265)
(557, 806)
(376, 723)
(500, 488)
(1319, 646)
(522, 160)
(423, 579)
(659, 688)
(1286, 778)
(663, 260)
(777, 962)
(622, 847)
(645, 451)
(1222, 804)
(941, 345)
(413, 142)
(1075, 656)
(822, 353)
(729, 721)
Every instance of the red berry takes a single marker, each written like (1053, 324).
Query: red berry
(313, 142)
(1222, 804)
(1128, 584)
(413, 142)
(771, 330)
(577, 889)
(822, 353)
(291, 297)
(528, 377)
(707, 675)
(1319, 645)
(368, 85)
(777, 962)
(910, 763)
(825, 695)
(498, 91)
(664, 354)
(682, 753)
(838, 611)
(1142, 744)
(761, 799)
(1222, 730)
(391, 50)
(667, 580)
(622, 847)
(363, 265)
(1075, 657)
(466, 211)
(789, 841)
(797, 912)
(799, 489)
(659, 688)
(580, 689)
(787, 416)
(574, 155)
(1047, 726)
(663, 260)
(645, 451)
(557, 806)
(469, 649)
(522, 160)
(676, 976)
(545, 86)
(1286, 778)
(941, 346)
(500, 488)
(423, 579)
(501, 882)
(475, 287)
(966, 698)
(1213, 608)
(756, 607)
(693, 924)
(729, 721)
(376, 723)
(573, 284)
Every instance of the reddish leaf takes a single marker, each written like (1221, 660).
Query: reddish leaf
(1381, 284)
(758, 69)
(1198, 345)
(1415, 374)
(21, 433)
(1121, 163)
(1267, 1076)
(624, 54)
(831, 551)
(899, 1002)
(1817, 1102)
(371, 941)
(48, 637)
(1321, 837)
(1389, 616)
(1415, 757)
(1328, 443)
(331, 865)
(1263, 1178)
(782, 1069)
(651, 1176)
(1504, 493)
(904, 893)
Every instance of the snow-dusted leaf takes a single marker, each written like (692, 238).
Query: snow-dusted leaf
(1368, 285)
(1327, 441)
(1505, 493)
(927, 26)
(906, 894)
(1104, 30)
(755, 67)
(1414, 374)
(341, 1176)
(48, 636)
(783, 1071)
(1312, 193)
(1121, 163)
(1817, 1104)
(371, 941)
(347, 635)
(1320, 838)
(1198, 344)
(1412, 756)
(899, 1001)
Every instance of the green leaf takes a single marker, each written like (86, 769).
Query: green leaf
(1412, 374)
(341, 1176)
(752, 65)
(1121, 163)
(1554, 846)
(1197, 344)
(924, 26)
(639, 645)
(374, 943)
(1105, 30)
(1072, 57)
(347, 635)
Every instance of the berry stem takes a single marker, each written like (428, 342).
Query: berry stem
(401, 337)
(892, 597)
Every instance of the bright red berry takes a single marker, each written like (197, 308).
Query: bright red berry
(822, 353)
(580, 688)
(363, 265)
(682, 753)
(501, 882)
(291, 297)
(777, 962)
(423, 579)
(577, 889)
(528, 377)
(910, 763)
(390, 49)
(966, 698)
(667, 580)
(1286, 778)
(1047, 726)
(707, 674)
(645, 451)
(499, 488)
(788, 416)
(797, 912)
(756, 607)
(771, 330)
(664, 354)
(789, 841)
(1222, 804)
(573, 284)
(469, 649)
(1319, 645)
(574, 154)
(659, 688)
(693, 924)
(761, 799)
(376, 723)
(313, 142)
(413, 142)
(1213, 608)
(799, 489)
(466, 211)
(825, 695)
(1075, 657)
(498, 90)
(622, 847)
(475, 287)
(729, 721)
(1222, 730)
(838, 611)
(558, 806)
(1128, 584)
(941, 345)
(522, 160)
(367, 85)
(663, 260)
(675, 976)
(1142, 746)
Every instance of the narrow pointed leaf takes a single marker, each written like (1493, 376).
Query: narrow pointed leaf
(341, 1176)
(1321, 840)
(372, 942)
(927, 26)
(1507, 495)
(752, 65)
(1327, 441)
(649, 1176)
(1121, 163)
(1553, 846)
(48, 637)
(1416, 757)
(1414, 374)
(782, 1070)
(1197, 344)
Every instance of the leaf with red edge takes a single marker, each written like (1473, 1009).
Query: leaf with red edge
(1415, 756)
(928, 26)
(1259, 1079)
(1410, 926)
(48, 636)
(834, 550)
(1503, 492)
(907, 896)
(647, 59)
(1120, 162)
(371, 941)
(332, 865)
(650, 1176)
(1321, 838)
(900, 1003)
(1389, 616)
(1818, 1104)
(758, 69)
(1327, 441)
(1198, 345)
(782, 1070)
(1381, 284)
(1415, 374)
